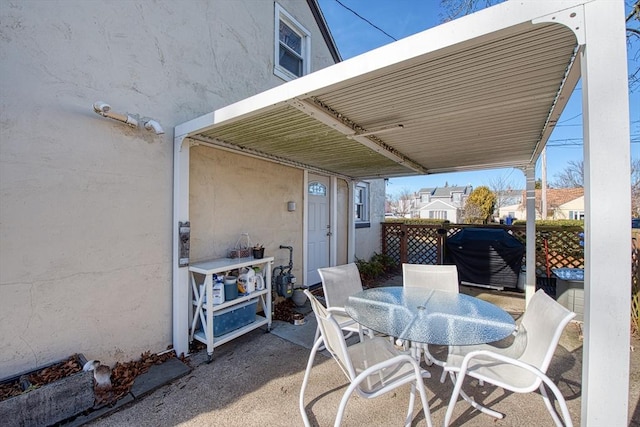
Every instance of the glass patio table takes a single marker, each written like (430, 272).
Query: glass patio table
(430, 316)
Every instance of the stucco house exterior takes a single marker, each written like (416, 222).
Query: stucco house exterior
(86, 217)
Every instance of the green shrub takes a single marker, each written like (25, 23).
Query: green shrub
(377, 267)
(554, 223)
(416, 221)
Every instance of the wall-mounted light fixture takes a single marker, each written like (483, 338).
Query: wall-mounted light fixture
(291, 206)
(154, 126)
(104, 110)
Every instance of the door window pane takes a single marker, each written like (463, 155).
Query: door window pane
(317, 189)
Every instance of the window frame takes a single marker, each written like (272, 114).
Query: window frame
(576, 215)
(281, 15)
(438, 214)
(364, 189)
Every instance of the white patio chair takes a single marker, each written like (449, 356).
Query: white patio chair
(373, 366)
(338, 283)
(521, 367)
(438, 277)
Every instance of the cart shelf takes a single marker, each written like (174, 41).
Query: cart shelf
(201, 316)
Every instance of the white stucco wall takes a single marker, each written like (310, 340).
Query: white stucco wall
(86, 202)
(232, 194)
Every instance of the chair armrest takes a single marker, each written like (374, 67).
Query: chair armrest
(338, 310)
(401, 358)
(496, 356)
(341, 311)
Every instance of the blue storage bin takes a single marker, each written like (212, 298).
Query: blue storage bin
(235, 317)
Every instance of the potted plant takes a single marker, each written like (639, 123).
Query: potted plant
(257, 251)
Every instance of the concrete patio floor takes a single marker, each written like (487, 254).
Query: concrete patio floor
(255, 381)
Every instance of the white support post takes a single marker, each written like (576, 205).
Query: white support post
(180, 274)
(333, 239)
(607, 279)
(305, 227)
(351, 226)
(530, 287)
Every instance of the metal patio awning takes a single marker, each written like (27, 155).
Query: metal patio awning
(480, 92)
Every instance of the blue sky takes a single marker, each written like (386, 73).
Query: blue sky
(401, 18)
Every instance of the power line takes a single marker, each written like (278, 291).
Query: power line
(571, 118)
(366, 20)
(576, 143)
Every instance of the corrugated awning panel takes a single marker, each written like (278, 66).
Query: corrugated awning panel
(481, 103)
(287, 133)
(456, 106)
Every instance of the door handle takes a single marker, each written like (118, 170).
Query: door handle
(329, 233)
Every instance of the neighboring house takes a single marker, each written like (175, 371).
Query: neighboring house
(509, 203)
(562, 203)
(439, 209)
(573, 209)
(86, 221)
(445, 203)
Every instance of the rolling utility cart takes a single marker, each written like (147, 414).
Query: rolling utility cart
(217, 324)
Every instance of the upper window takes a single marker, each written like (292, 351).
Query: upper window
(292, 46)
(362, 202)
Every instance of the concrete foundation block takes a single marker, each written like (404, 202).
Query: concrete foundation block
(50, 403)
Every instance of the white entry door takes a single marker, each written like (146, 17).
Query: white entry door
(319, 231)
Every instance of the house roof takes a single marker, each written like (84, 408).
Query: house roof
(324, 29)
(555, 196)
(483, 91)
(446, 191)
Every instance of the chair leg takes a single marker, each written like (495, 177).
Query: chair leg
(428, 358)
(423, 398)
(412, 401)
(561, 402)
(343, 402)
(312, 357)
(443, 376)
(419, 384)
(457, 390)
(454, 397)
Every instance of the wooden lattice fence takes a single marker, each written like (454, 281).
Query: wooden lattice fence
(555, 247)
(425, 243)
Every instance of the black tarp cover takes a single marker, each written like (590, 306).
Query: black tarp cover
(486, 257)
